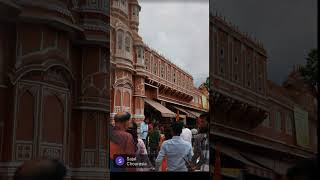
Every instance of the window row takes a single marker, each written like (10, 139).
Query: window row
(169, 73)
(246, 73)
(135, 11)
(124, 41)
(197, 99)
(98, 4)
(121, 4)
(287, 126)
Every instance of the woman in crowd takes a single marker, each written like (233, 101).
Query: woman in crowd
(141, 151)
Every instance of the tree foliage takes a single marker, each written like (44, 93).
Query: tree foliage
(309, 72)
(207, 84)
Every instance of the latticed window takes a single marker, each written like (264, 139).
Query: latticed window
(174, 76)
(120, 39)
(134, 10)
(278, 121)
(139, 52)
(266, 121)
(155, 67)
(221, 61)
(249, 65)
(123, 2)
(128, 43)
(147, 64)
(183, 81)
(236, 61)
(288, 125)
(162, 70)
(93, 2)
(105, 3)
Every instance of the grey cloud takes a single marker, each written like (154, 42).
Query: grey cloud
(287, 28)
(180, 31)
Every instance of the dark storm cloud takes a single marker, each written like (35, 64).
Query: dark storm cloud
(287, 28)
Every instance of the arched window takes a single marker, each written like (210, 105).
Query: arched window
(147, 64)
(155, 67)
(120, 39)
(128, 42)
(162, 70)
(140, 52)
(118, 98)
(126, 99)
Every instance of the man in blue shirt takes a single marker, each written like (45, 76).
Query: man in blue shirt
(144, 130)
(177, 151)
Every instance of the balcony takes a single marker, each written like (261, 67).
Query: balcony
(166, 86)
(123, 7)
(238, 137)
(124, 59)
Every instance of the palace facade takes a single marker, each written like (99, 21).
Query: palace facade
(260, 128)
(54, 84)
(143, 82)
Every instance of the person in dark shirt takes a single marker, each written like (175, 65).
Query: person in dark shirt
(154, 139)
(121, 142)
(40, 169)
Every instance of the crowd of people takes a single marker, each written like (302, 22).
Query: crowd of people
(162, 148)
(167, 152)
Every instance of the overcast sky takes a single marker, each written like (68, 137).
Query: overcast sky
(179, 30)
(287, 28)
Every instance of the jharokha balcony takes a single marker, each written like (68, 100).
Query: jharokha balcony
(167, 77)
(237, 77)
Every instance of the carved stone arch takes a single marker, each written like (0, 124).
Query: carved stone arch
(121, 26)
(124, 82)
(32, 69)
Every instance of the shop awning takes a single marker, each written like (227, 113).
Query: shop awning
(252, 167)
(235, 155)
(194, 113)
(165, 112)
(188, 114)
(276, 165)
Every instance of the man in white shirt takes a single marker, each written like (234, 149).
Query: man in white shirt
(186, 134)
(177, 151)
(144, 130)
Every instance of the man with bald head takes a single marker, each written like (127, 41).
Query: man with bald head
(40, 169)
(121, 142)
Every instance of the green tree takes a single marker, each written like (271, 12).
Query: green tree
(309, 72)
(207, 84)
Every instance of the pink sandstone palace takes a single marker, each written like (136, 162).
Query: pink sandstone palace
(65, 67)
(262, 128)
(143, 82)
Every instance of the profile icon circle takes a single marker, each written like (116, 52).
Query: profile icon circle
(119, 160)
